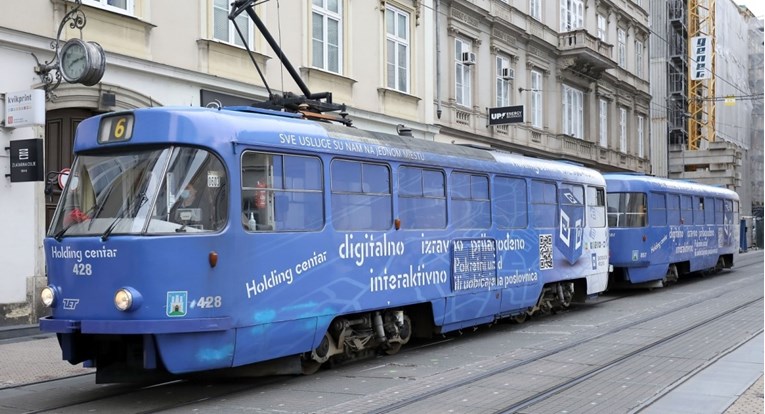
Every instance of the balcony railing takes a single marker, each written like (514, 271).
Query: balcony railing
(587, 50)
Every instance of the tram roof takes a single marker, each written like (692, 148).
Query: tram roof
(220, 128)
(640, 182)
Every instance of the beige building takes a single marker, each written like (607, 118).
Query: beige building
(578, 68)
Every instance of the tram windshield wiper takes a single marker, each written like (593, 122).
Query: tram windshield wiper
(58, 236)
(130, 207)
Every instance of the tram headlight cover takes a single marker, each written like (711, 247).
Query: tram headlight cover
(127, 299)
(48, 296)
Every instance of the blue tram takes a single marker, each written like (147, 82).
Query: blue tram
(193, 239)
(661, 229)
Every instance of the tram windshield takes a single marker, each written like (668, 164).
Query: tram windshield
(173, 190)
(626, 210)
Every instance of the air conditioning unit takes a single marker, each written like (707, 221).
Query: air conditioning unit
(468, 58)
(508, 73)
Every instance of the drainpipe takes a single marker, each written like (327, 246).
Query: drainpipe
(438, 61)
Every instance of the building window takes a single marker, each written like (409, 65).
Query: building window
(623, 130)
(639, 59)
(462, 72)
(621, 37)
(536, 99)
(504, 81)
(573, 112)
(120, 6)
(327, 35)
(223, 28)
(603, 130)
(397, 42)
(602, 27)
(641, 150)
(571, 15)
(535, 9)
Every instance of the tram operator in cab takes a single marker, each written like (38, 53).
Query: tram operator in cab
(193, 209)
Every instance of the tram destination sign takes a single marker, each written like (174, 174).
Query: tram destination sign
(506, 115)
(27, 160)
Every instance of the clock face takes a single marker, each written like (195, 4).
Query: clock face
(74, 60)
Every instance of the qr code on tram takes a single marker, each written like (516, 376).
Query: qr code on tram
(545, 251)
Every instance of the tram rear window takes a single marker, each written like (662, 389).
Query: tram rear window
(116, 128)
(626, 210)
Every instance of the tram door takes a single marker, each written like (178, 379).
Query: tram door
(60, 126)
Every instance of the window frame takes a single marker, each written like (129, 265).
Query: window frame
(603, 123)
(571, 15)
(499, 197)
(326, 15)
(129, 9)
(537, 99)
(282, 189)
(640, 136)
(233, 36)
(535, 9)
(602, 27)
(573, 112)
(621, 39)
(622, 129)
(333, 192)
(463, 74)
(397, 42)
(503, 86)
(423, 195)
(470, 198)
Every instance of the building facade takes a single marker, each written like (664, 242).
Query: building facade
(579, 68)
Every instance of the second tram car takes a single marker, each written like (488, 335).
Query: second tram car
(193, 239)
(661, 229)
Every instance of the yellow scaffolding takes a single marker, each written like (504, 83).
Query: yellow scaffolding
(701, 92)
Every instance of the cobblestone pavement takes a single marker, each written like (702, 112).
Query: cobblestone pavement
(34, 360)
(750, 402)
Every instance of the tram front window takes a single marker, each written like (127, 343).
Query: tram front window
(626, 210)
(162, 191)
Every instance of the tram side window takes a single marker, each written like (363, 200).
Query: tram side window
(728, 215)
(281, 192)
(510, 204)
(673, 209)
(698, 210)
(626, 209)
(709, 210)
(657, 206)
(544, 204)
(361, 196)
(718, 211)
(422, 198)
(596, 206)
(470, 201)
(686, 210)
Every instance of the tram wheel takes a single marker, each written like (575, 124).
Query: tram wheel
(309, 366)
(521, 318)
(393, 348)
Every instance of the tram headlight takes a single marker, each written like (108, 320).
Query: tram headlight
(48, 296)
(127, 299)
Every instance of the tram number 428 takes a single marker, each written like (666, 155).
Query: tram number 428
(207, 302)
(82, 269)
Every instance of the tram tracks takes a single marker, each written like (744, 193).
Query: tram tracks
(445, 391)
(179, 394)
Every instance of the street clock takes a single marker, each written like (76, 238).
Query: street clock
(82, 62)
